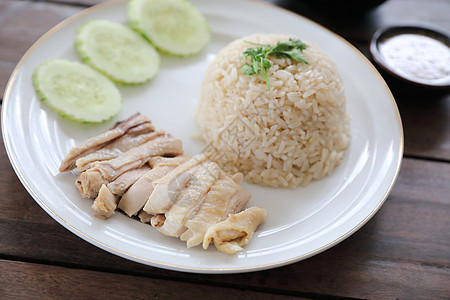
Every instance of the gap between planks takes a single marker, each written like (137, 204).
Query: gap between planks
(12, 265)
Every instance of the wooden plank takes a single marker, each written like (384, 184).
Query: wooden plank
(21, 24)
(6, 68)
(21, 280)
(405, 254)
(36, 18)
(406, 244)
(426, 122)
(425, 116)
(358, 24)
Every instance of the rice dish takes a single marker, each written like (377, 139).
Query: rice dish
(295, 132)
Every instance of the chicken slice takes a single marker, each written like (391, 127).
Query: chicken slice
(161, 161)
(189, 200)
(144, 217)
(236, 231)
(225, 195)
(167, 187)
(157, 220)
(136, 196)
(95, 143)
(117, 147)
(92, 179)
(237, 202)
(105, 204)
(163, 195)
(122, 183)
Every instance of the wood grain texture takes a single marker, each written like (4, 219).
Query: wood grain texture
(425, 116)
(426, 122)
(21, 280)
(21, 24)
(356, 24)
(402, 251)
(423, 138)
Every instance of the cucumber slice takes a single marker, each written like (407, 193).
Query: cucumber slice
(76, 91)
(172, 26)
(117, 51)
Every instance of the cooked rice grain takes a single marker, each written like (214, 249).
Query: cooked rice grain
(286, 137)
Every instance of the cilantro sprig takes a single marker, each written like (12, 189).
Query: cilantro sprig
(259, 56)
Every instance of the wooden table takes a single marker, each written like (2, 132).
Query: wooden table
(401, 253)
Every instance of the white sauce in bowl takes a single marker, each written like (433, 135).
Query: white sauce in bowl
(417, 57)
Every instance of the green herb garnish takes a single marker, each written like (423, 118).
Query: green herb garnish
(259, 56)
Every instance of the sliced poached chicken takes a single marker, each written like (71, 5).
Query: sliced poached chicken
(105, 204)
(101, 173)
(122, 183)
(187, 200)
(137, 195)
(192, 198)
(168, 186)
(225, 196)
(98, 142)
(236, 231)
(143, 172)
(116, 148)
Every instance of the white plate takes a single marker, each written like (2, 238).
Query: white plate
(301, 222)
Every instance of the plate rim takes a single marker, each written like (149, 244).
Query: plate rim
(113, 250)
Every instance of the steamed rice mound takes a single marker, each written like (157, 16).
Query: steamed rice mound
(286, 137)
